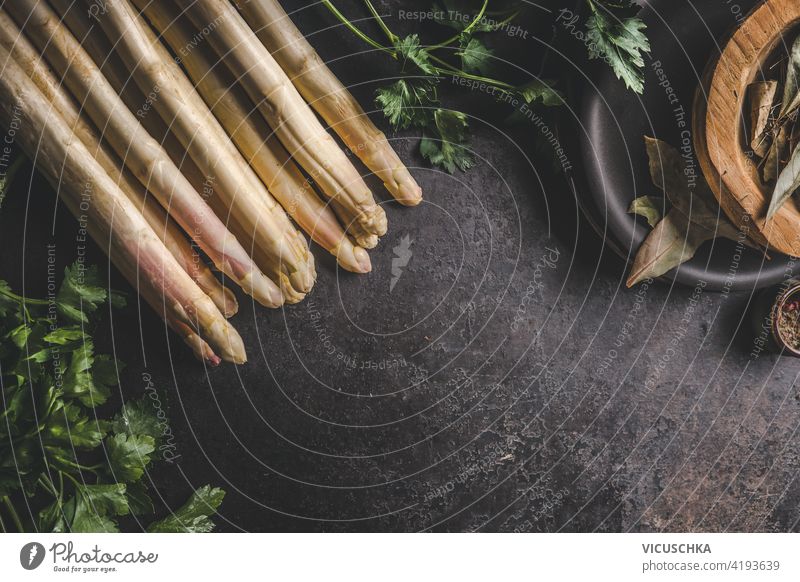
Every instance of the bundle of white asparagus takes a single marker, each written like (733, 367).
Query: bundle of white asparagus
(207, 144)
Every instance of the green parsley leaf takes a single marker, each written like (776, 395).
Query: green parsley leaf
(87, 522)
(64, 335)
(129, 455)
(619, 40)
(138, 417)
(8, 304)
(139, 501)
(541, 91)
(78, 381)
(447, 149)
(410, 51)
(193, 517)
(50, 379)
(69, 426)
(51, 518)
(475, 56)
(19, 335)
(81, 292)
(105, 373)
(106, 499)
(408, 102)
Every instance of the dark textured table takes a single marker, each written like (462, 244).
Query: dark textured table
(492, 373)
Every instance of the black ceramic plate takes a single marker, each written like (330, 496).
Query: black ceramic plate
(683, 35)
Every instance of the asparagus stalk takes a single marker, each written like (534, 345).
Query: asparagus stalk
(200, 348)
(117, 226)
(202, 351)
(256, 141)
(141, 153)
(326, 94)
(28, 59)
(293, 121)
(291, 265)
(100, 50)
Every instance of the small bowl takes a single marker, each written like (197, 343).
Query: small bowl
(765, 316)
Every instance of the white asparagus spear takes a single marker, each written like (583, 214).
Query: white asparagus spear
(255, 140)
(291, 263)
(142, 154)
(29, 60)
(100, 50)
(326, 94)
(202, 351)
(288, 114)
(200, 348)
(119, 228)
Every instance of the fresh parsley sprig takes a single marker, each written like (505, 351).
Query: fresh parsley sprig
(617, 36)
(413, 100)
(613, 33)
(56, 453)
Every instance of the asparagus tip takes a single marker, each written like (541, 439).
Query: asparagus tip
(201, 350)
(363, 259)
(290, 292)
(303, 280)
(228, 304)
(408, 194)
(262, 289)
(354, 259)
(366, 240)
(227, 340)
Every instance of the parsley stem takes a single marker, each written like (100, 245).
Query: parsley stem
(13, 512)
(507, 19)
(80, 467)
(447, 69)
(2, 524)
(45, 482)
(21, 299)
(75, 482)
(393, 38)
(357, 31)
(444, 67)
(475, 21)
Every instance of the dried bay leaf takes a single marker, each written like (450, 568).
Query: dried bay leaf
(667, 172)
(693, 219)
(761, 95)
(671, 243)
(648, 207)
(788, 182)
(697, 204)
(791, 88)
(776, 153)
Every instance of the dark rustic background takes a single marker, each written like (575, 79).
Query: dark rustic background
(507, 382)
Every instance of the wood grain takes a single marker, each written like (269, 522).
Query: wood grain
(719, 127)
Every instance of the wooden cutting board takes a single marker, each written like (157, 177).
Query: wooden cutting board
(720, 132)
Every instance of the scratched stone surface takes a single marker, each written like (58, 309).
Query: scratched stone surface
(492, 373)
